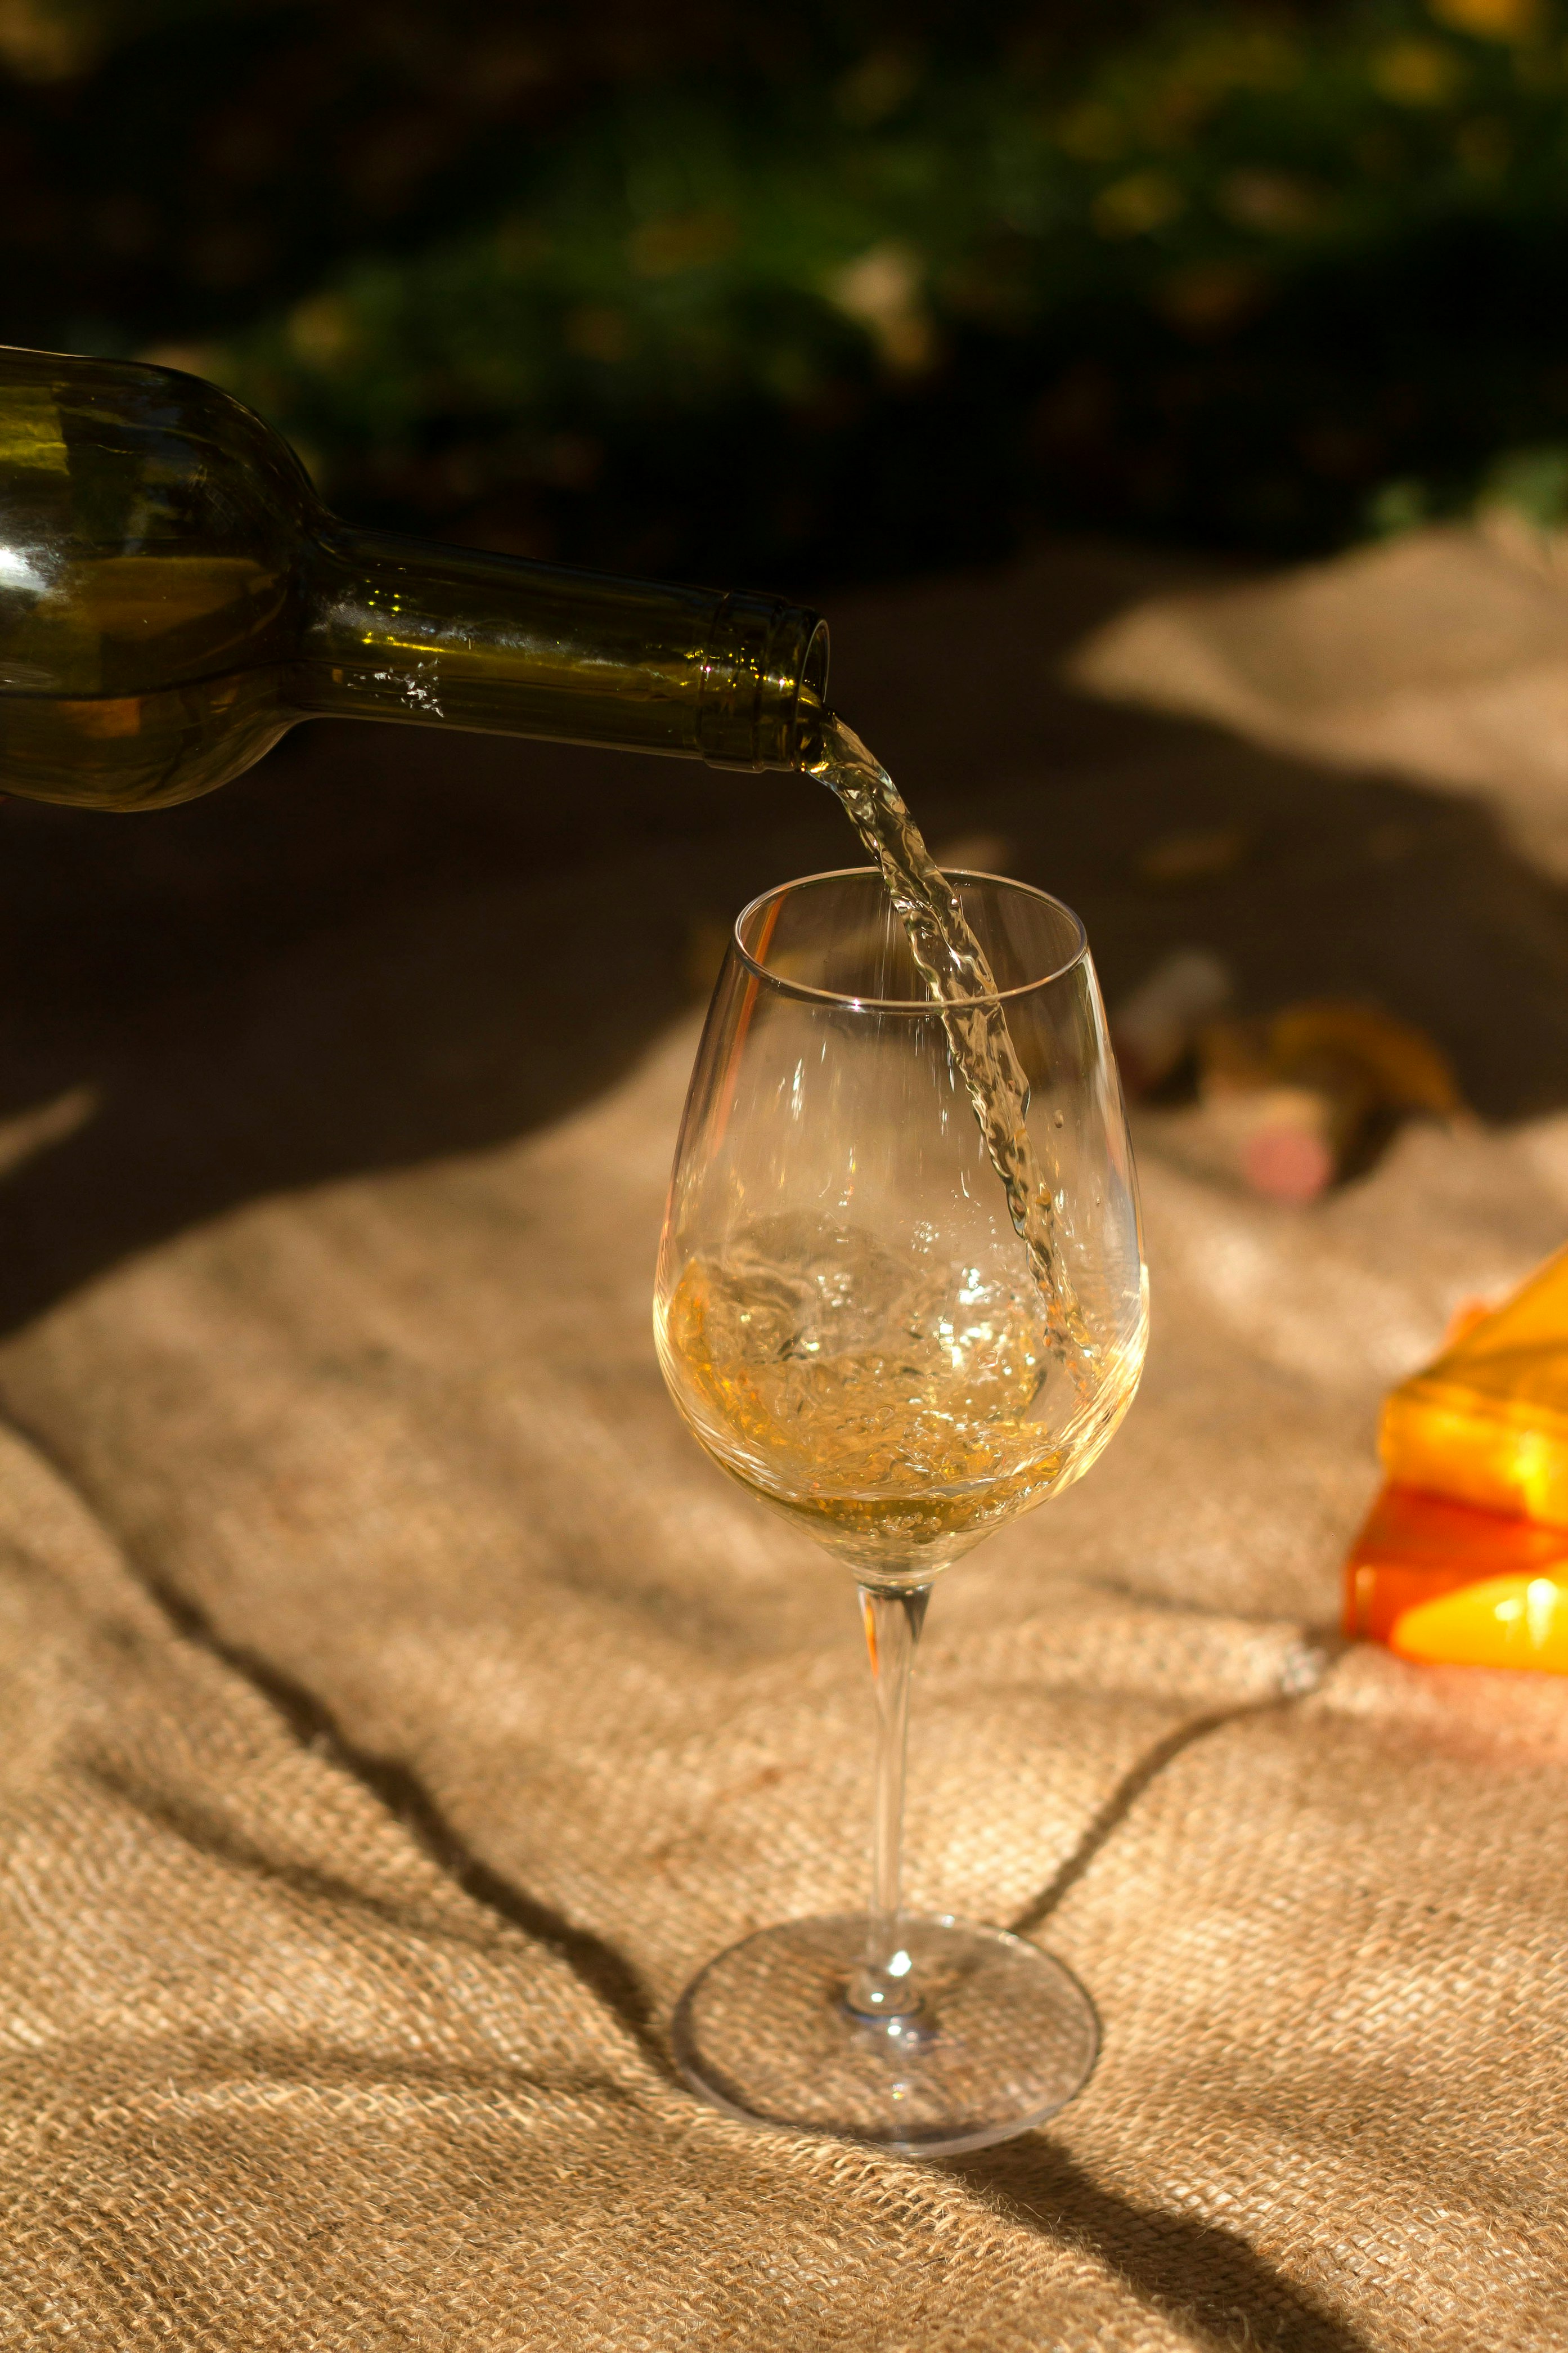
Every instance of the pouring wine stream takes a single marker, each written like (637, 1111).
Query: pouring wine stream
(954, 965)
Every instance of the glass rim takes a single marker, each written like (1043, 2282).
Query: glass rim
(925, 1006)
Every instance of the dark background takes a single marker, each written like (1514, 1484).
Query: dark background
(814, 292)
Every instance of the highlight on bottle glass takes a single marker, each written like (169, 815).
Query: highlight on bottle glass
(862, 1323)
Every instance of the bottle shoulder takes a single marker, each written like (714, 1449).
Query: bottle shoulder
(152, 529)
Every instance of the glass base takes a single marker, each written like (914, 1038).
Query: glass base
(999, 2038)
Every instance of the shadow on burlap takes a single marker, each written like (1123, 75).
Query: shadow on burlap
(398, 1708)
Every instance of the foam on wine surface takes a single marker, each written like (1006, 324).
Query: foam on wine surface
(881, 1400)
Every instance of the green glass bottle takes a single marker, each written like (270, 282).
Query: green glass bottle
(174, 597)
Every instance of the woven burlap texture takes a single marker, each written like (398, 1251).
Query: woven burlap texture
(1442, 655)
(397, 1709)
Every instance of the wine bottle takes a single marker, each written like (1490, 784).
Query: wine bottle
(174, 597)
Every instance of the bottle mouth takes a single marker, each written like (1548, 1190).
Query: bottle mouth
(812, 699)
(765, 682)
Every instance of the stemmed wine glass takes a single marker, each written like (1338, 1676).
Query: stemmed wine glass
(849, 1323)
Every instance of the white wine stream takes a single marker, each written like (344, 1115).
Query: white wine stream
(954, 965)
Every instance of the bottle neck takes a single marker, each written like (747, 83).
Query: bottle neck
(395, 628)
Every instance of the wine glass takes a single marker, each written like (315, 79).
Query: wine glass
(850, 1325)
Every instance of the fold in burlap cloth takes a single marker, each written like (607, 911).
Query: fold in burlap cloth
(397, 1708)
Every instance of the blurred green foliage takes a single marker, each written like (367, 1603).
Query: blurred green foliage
(814, 292)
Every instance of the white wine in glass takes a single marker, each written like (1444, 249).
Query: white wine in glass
(852, 1325)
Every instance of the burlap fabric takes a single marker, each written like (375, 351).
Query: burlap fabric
(397, 1708)
(1442, 655)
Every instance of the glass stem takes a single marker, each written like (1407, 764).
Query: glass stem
(882, 1987)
